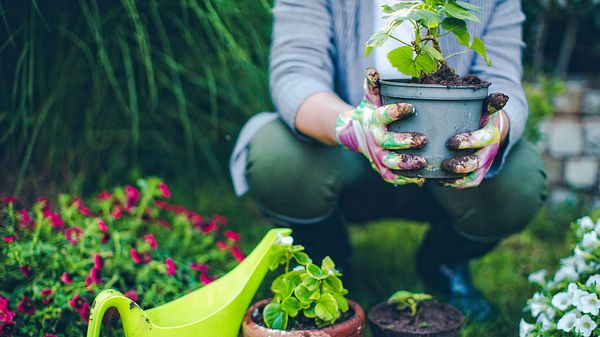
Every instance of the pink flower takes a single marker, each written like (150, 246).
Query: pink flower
(45, 295)
(201, 267)
(221, 245)
(237, 254)
(97, 261)
(65, 278)
(73, 234)
(9, 238)
(135, 256)
(163, 205)
(5, 314)
(45, 203)
(164, 189)
(206, 279)
(25, 270)
(104, 195)
(102, 226)
(8, 328)
(24, 219)
(170, 266)
(132, 295)
(219, 219)
(132, 196)
(9, 200)
(117, 212)
(164, 223)
(95, 276)
(81, 207)
(56, 220)
(49, 335)
(26, 306)
(196, 219)
(151, 240)
(233, 236)
(80, 306)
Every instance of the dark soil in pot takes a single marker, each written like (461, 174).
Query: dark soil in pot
(351, 324)
(446, 105)
(433, 319)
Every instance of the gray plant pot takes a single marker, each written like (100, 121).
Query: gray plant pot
(441, 112)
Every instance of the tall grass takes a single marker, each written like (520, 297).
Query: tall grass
(92, 90)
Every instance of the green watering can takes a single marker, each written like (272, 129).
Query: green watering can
(215, 310)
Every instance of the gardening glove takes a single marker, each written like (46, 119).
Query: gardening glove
(364, 130)
(486, 140)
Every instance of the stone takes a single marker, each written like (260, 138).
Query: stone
(553, 169)
(569, 101)
(591, 102)
(591, 132)
(581, 173)
(565, 138)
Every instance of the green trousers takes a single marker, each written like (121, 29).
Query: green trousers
(300, 182)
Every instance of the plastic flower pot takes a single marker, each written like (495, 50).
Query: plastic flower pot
(215, 310)
(433, 319)
(441, 112)
(352, 327)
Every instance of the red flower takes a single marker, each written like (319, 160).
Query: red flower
(237, 254)
(104, 195)
(132, 196)
(25, 270)
(26, 306)
(5, 314)
(221, 245)
(170, 266)
(65, 278)
(132, 295)
(233, 236)
(73, 234)
(81, 207)
(135, 256)
(9, 200)
(24, 219)
(151, 240)
(164, 190)
(95, 276)
(102, 226)
(219, 219)
(45, 295)
(117, 212)
(196, 219)
(80, 306)
(56, 220)
(45, 203)
(9, 238)
(201, 267)
(97, 261)
(206, 279)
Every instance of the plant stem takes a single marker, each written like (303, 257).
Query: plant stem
(397, 39)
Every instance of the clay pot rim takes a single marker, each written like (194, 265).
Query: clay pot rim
(358, 314)
(458, 326)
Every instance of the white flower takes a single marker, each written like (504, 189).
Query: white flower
(577, 261)
(566, 272)
(285, 240)
(586, 223)
(581, 253)
(525, 328)
(567, 322)
(545, 323)
(539, 277)
(597, 228)
(550, 313)
(585, 325)
(589, 304)
(561, 301)
(538, 304)
(590, 241)
(575, 294)
(594, 281)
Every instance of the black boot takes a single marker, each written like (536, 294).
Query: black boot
(442, 261)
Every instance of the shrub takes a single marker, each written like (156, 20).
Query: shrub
(54, 260)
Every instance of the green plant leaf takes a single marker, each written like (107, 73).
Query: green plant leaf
(399, 297)
(402, 59)
(275, 317)
(469, 6)
(303, 293)
(316, 272)
(458, 27)
(327, 264)
(282, 287)
(399, 6)
(334, 283)
(479, 47)
(434, 53)
(302, 258)
(455, 11)
(310, 312)
(428, 18)
(341, 301)
(310, 282)
(327, 309)
(291, 306)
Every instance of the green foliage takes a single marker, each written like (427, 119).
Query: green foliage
(540, 97)
(315, 292)
(432, 20)
(55, 259)
(406, 300)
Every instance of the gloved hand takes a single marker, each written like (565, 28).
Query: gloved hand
(364, 129)
(486, 140)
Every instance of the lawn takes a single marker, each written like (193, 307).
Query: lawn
(384, 251)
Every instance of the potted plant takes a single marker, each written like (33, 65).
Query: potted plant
(308, 300)
(407, 314)
(446, 104)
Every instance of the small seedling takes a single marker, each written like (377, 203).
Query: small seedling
(431, 21)
(407, 300)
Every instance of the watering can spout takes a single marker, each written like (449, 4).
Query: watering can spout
(132, 316)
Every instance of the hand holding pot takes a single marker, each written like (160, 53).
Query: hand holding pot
(486, 140)
(364, 130)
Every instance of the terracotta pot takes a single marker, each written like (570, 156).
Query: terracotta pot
(353, 327)
(385, 321)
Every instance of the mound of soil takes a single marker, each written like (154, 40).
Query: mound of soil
(447, 77)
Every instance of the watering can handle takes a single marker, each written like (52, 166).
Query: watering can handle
(132, 316)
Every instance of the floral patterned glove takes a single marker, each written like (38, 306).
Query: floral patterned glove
(364, 130)
(487, 142)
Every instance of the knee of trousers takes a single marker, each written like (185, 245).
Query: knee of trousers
(509, 204)
(289, 179)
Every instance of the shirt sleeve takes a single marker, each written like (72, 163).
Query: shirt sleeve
(503, 38)
(301, 62)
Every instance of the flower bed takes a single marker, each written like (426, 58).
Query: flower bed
(54, 259)
(568, 304)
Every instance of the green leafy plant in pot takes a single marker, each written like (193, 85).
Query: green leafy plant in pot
(446, 104)
(407, 314)
(308, 300)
